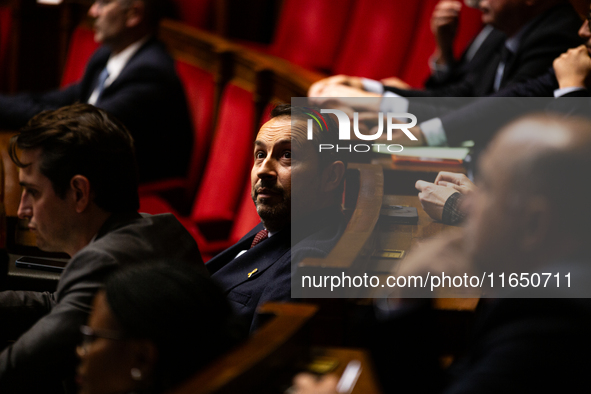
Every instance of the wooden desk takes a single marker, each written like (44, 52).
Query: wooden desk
(367, 381)
(12, 189)
(28, 279)
(405, 237)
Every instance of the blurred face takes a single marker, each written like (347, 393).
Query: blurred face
(493, 228)
(105, 363)
(48, 214)
(110, 20)
(275, 171)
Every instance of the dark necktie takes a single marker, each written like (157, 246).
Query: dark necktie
(261, 236)
(505, 57)
(101, 81)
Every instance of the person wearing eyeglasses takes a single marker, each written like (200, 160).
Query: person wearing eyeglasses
(145, 341)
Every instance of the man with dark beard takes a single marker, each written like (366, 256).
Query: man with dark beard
(306, 187)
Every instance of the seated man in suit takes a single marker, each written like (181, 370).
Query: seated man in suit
(527, 37)
(131, 76)
(530, 217)
(297, 191)
(79, 179)
(479, 120)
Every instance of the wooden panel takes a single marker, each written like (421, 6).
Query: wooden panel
(356, 244)
(275, 347)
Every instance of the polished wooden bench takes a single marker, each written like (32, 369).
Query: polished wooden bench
(268, 360)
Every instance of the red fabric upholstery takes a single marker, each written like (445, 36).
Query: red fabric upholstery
(81, 48)
(416, 68)
(199, 88)
(227, 167)
(309, 31)
(378, 39)
(5, 26)
(227, 172)
(469, 26)
(197, 13)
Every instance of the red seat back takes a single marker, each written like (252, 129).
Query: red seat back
(469, 26)
(309, 32)
(197, 13)
(227, 169)
(417, 70)
(81, 48)
(378, 38)
(5, 26)
(199, 89)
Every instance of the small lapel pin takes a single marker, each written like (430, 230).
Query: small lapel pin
(252, 272)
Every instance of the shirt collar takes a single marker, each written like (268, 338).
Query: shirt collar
(117, 62)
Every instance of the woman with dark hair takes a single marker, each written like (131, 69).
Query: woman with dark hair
(153, 326)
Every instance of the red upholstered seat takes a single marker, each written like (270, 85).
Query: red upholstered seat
(5, 26)
(378, 39)
(226, 175)
(81, 48)
(469, 26)
(246, 219)
(309, 32)
(197, 13)
(228, 167)
(416, 70)
(199, 88)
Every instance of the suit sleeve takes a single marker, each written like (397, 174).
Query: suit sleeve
(47, 350)
(15, 111)
(150, 101)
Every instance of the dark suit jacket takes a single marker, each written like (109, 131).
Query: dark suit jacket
(48, 323)
(147, 97)
(482, 118)
(545, 39)
(272, 259)
(516, 346)
(550, 34)
(463, 67)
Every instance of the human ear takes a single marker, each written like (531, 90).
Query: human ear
(143, 358)
(332, 176)
(537, 218)
(135, 14)
(80, 187)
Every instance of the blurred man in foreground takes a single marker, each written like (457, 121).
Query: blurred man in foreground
(529, 216)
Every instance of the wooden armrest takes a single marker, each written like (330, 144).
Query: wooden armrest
(356, 242)
(276, 346)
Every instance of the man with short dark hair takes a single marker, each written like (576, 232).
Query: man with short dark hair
(297, 192)
(131, 76)
(80, 197)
